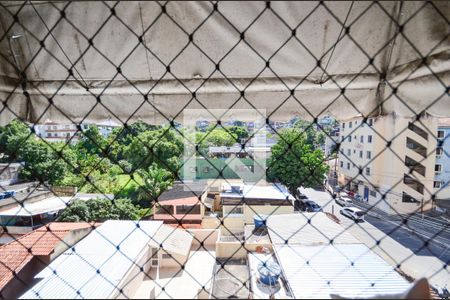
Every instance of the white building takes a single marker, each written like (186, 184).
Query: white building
(389, 156)
(57, 132)
(442, 167)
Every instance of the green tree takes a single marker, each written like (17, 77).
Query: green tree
(92, 141)
(100, 210)
(163, 147)
(13, 137)
(240, 132)
(77, 211)
(294, 163)
(219, 137)
(42, 163)
(155, 181)
(314, 135)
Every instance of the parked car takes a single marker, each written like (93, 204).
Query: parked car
(357, 197)
(311, 206)
(344, 194)
(353, 213)
(344, 201)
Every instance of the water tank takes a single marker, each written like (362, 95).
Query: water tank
(269, 272)
(259, 221)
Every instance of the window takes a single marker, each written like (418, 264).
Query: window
(418, 130)
(360, 154)
(54, 127)
(373, 193)
(342, 164)
(356, 122)
(437, 169)
(361, 139)
(67, 126)
(349, 152)
(188, 209)
(165, 209)
(415, 166)
(350, 124)
(354, 151)
(367, 171)
(348, 166)
(440, 134)
(342, 138)
(355, 138)
(49, 134)
(370, 122)
(369, 155)
(438, 152)
(343, 125)
(206, 169)
(369, 139)
(416, 147)
(349, 138)
(437, 184)
(413, 183)
(408, 198)
(49, 128)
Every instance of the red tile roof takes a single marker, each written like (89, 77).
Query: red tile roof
(15, 255)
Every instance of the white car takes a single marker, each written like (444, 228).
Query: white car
(353, 213)
(344, 201)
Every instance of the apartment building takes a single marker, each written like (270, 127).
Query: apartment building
(389, 161)
(441, 183)
(58, 132)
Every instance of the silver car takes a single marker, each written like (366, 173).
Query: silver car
(344, 201)
(353, 213)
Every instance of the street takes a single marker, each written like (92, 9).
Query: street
(396, 242)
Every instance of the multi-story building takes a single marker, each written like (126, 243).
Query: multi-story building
(442, 167)
(389, 161)
(57, 132)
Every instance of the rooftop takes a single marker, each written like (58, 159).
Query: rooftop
(178, 191)
(270, 192)
(307, 229)
(444, 122)
(36, 207)
(118, 244)
(348, 270)
(43, 241)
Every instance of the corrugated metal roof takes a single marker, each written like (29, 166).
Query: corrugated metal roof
(37, 207)
(307, 229)
(318, 271)
(98, 263)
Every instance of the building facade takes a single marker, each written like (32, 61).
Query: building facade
(57, 132)
(441, 183)
(389, 161)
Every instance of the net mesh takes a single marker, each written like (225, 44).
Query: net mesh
(107, 118)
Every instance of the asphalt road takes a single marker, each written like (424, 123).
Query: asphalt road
(419, 238)
(427, 236)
